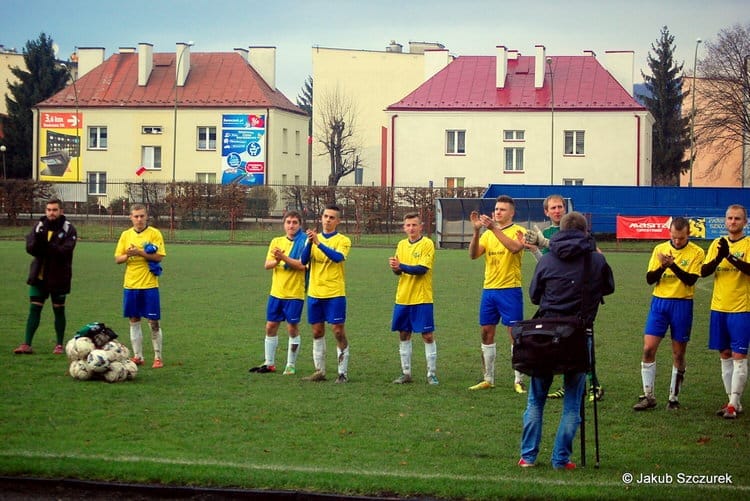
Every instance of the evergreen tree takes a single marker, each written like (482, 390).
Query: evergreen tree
(671, 132)
(305, 100)
(42, 79)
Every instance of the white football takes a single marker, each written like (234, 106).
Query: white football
(78, 348)
(116, 351)
(116, 372)
(79, 369)
(131, 368)
(98, 360)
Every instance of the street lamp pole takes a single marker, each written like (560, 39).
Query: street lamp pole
(692, 115)
(78, 123)
(180, 57)
(3, 149)
(552, 129)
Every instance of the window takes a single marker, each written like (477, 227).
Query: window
(574, 142)
(151, 129)
(513, 135)
(283, 179)
(454, 182)
(359, 175)
(205, 177)
(296, 179)
(285, 140)
(455, 142)
(297, 143)
(206, 138)
(97, 138)
(97, 183)
(513, 160)
(572, 182)
(151, 157)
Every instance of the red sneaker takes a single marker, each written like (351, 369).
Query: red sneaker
(24, 349)
(157, 364)
(568, 466)
(137, 360)
(58, 350)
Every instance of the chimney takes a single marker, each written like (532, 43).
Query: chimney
(501, 68)
(182, 62)
(513, 54)
(89, 58)
(434, 61)
(242, 52)
(589, 53)
(620, 64)
(263, 60)
(539, 63)
(145, 62)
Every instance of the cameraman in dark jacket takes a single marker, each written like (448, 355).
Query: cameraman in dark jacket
(557, 288)
(51, 242)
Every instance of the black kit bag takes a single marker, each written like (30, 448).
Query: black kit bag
(550, 345)
(553, 345)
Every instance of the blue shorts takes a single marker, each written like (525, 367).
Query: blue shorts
(673, 314)
(279, 310)
(497, 304)
(729, 331)
(416, 318)
(331, 310)
(141, 303)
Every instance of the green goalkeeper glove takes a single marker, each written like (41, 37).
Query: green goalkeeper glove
(534, 236)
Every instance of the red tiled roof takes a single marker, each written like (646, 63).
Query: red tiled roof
(216, 80)
(468, 83)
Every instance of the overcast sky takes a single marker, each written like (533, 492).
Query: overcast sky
(465, 27)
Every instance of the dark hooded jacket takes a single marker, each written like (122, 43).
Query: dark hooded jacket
(558, 279)
(51, 243)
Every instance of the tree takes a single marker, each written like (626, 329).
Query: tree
(671, 133)
(722, 122)
(336, 130)
(305, 97)
(43, 79)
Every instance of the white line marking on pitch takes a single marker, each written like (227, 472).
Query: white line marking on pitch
(568, 480)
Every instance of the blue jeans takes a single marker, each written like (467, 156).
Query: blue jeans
(574, 384)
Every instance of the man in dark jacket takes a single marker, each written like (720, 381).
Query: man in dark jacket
(557, 288)
(51, 242)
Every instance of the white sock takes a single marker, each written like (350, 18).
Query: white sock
(489, 354)
(343, 358)
(648, 376)
(678, 376)
(319, 354)
(404, 351)
(156, 342)
(430, 353)
(272, 342)
(293, 350)
(136, 338)
(517, 375)
(727, 368)
(739, 379)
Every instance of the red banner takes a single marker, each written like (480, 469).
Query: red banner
(643, 227)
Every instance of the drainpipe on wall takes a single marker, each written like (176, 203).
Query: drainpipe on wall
(393, 149)
(638, 151)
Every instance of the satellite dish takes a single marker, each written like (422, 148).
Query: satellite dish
(55, 49)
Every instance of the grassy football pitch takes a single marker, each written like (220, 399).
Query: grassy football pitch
(203, 420)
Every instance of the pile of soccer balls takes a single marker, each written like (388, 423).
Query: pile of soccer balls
(109, 361)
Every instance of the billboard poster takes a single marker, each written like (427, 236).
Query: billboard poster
(60, 147)
(243, 149)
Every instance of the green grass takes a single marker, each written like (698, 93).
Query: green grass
(203, 420)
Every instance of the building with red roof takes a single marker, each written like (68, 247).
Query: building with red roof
(514, 119)
(215, 117)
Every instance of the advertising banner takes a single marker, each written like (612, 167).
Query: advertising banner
(657, 227)
(647, 227)
(243, 149)
(60, 147)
